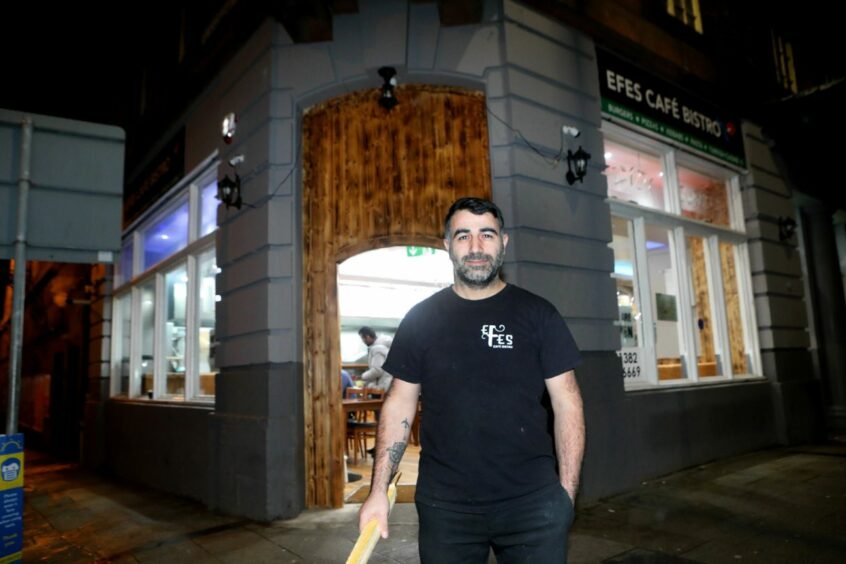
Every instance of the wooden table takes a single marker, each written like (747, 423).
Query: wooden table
(355, 404)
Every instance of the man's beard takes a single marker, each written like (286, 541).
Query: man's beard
(478, 276)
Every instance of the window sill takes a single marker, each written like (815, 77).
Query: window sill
(672, 386)
(202, 404)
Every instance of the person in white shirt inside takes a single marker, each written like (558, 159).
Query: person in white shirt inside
(377, 352)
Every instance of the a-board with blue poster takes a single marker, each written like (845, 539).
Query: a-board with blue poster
(11, 497)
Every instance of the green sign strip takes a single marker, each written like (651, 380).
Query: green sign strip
(412, 251)
(617, 110)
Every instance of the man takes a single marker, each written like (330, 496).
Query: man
(377, 351)
(346, 382)
(484, 354)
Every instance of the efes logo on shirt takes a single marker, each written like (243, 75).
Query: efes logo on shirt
(496, 337)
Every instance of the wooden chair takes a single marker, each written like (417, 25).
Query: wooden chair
(353, 393)
(374, 393)
(360, 425)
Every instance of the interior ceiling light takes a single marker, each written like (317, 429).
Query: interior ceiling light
(388, 97)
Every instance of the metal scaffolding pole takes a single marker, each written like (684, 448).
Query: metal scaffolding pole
(19, 280)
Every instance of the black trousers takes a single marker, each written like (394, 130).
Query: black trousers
(532, 528)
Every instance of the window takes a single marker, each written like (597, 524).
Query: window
(176, 296)
(125, 270)
(208, 209)
(168, 235)
(703, 197)
(741, 362)
(680, 266)
(662, 279)
(628, 295)
(784, 66)
(687, 12)
(163, 331)
(146, 362)
(122, 333)
(634, 176)
(707, 350)
(205, 324)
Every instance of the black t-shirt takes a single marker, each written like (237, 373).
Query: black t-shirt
(481, 364)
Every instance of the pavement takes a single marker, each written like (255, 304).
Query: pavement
(770, 506)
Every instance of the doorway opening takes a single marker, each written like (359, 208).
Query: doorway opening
(376, 289)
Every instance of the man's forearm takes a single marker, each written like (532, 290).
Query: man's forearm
(570, 439)
(395, 421)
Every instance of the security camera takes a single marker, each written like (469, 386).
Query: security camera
(228, 127)
(571, 131)
(236, 160)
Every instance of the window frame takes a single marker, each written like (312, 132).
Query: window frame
(681, 227)
(184, 198)
(190, 188)
(193, 345)
(189, 258)
(117, 336)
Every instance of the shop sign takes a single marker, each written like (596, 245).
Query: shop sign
(11, 497)
(634, 96)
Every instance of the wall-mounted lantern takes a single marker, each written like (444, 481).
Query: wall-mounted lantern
(577, 165)
(786, 228)
(229, 191)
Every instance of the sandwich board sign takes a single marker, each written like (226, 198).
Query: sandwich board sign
(11, 497)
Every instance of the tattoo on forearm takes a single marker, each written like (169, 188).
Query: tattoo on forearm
(405, 423)
(395, 453)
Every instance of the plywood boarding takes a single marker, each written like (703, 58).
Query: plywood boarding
(735, 321)
(372, 179)
(696, 247)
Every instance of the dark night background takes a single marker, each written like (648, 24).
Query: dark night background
(138, 64)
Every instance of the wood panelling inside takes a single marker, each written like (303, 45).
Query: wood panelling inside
(371, 179)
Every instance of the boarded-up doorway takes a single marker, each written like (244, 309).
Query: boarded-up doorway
(371, 179)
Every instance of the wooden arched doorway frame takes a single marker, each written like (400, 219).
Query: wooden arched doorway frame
(372, 179)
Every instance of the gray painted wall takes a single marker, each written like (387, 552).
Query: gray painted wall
(93, 448)
(779, 293)
(257, 428)
(160, 445)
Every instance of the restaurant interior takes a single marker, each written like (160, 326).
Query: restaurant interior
(376, 289)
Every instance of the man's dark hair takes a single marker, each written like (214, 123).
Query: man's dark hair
(476, 206)
(367, 331)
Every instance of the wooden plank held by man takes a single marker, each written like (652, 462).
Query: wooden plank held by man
(370, 535)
